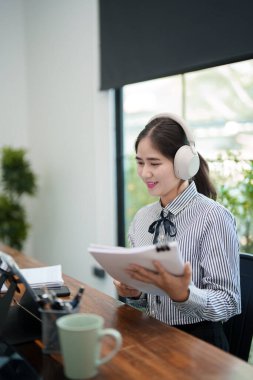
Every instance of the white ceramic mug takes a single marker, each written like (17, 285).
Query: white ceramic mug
(80, 338)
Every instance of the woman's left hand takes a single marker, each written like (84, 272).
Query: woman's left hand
(177, 287)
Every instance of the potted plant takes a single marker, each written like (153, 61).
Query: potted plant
(16, 180)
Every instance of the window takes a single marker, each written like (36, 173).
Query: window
(218, 106)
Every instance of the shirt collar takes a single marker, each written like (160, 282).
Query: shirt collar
(181, 201)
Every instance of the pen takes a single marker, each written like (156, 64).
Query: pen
(76, 300)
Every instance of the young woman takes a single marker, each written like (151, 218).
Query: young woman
(208, 292)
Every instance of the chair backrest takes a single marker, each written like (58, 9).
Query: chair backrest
(239, 329)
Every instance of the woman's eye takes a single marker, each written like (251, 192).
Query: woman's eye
(140, 163)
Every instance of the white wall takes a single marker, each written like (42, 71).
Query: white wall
(13, 101)
(67, 124)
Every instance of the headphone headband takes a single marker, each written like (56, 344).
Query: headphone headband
(181, 122)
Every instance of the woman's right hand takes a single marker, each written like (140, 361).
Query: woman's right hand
(125, 290)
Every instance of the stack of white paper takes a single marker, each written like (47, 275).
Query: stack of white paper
(115, 261)
(45, 276)
(50, 277)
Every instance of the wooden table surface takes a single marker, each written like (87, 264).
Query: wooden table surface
(151, 350)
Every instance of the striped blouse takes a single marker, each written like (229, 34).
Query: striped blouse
(207, 238)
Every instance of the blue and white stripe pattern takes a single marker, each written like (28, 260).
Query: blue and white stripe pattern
(207, 238)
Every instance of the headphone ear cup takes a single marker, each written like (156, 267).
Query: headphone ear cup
(186, 163)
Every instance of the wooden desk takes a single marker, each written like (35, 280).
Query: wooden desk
(151, 349)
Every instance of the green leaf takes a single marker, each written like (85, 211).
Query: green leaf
(17, 175)
(17, 179)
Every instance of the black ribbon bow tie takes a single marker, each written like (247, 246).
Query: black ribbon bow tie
(169, 227)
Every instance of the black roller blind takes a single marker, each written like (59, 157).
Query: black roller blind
(147, 39)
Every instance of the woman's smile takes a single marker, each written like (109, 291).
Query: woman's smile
(151, 185)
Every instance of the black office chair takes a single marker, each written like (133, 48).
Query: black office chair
(239, 329)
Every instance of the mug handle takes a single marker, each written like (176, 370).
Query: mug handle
(118, 342)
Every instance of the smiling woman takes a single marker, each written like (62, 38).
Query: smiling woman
(172, 169)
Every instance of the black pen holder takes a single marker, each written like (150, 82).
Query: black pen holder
(50, 338)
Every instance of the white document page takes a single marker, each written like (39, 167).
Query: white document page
(39, 277)
(116, 259)
(44, 276)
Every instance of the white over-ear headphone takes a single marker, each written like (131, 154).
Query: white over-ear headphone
(186, 160)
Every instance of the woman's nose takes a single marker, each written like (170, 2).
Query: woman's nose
(146, 173)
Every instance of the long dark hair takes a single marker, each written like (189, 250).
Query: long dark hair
(167, 136)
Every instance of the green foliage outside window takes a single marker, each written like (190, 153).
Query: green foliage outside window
(16, 180)
(233, 178)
